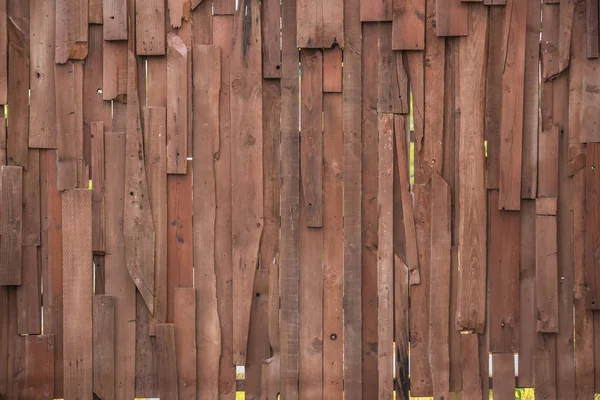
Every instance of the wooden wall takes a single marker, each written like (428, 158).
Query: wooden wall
(317, 190)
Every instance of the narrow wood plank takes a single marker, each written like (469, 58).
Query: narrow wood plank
(77, 293)
(258, 336)
(576, 154)
(369, 213)
(11, 229)
(221, 7)
(29, 299)
(472, 379)
(118, 282)
(567, 15)
(504, 376)
(401, 326)
(16, 351)
(184, 317)
(18, 81)
(146, 362)
(178, 10)
(546, 274)
(472, 230)
(332, 70)
(179, 236)
(271, 366)
(320, 24)
(138, 224)
(452, 18)
(39, 367)
(42, 105)
(31, 200)
(271, 38)
(415, 61)
(311, 150)
(592, 188)
(590, 119)
(98, 188)
(511, 130)
(3, 339)
(150, 28)
(246, 150)
(71, 31)
(104, 346)
(550, 37)
(114, 70)
(439, 315)
(95, 11)
(591, 29)
(206, 75)
(548, 162)
(115, 19)
(166, 357)
(408, 31)
(392, 92)
(3, 53)
(2, 141)
(376, 12)
(290, 198)
(177, 105)
(156, 78)
(544, 373)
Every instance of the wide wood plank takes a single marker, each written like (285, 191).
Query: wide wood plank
(39, 368)
(29, 294)
(177, 105)
(320, 24)
(332, 70)
(408, 31)
(184, 317)
(376, 11)
(452, 18)
(71, 30)
(166, 357)
(393, 89)
(221, 7)
(115, 19)
(471, 307)
(11, 225)
(504, 376)
(271, 37)
(77, 293)
(98, 188)
(104, 346)
(150, 33)
(546, 274)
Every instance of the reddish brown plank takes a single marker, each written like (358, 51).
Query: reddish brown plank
(114, 70)
(504, 376)
(408, 31)
(415, 62)
(115, 19)
(591, 29)
(392, 90)
(590, 119)
(150, 27)
(29, 300)
(576, 154)
(592, 234)
(401, 326)
(320, 24)
(31, 200)
(98, 187)
(177, 105)
(3, 339)
(71, 30)
(332, 70)
(2, 141)
(95, 11)
(452, 18)
(221, 7)
(546, 274)
(549, 44)
(472, 204)
(178, 10)
(39, 368)
(376, 11)
(184, 317)
(271, 366)
(3, 53)
(258, 336)
(544, 373)
(472, 379)
(104, 346)
(166, 358)
(271, 39)
(146, 363)
(16, 351)
(567, 15)
(548, 162)
(11, 229)
(77, 293)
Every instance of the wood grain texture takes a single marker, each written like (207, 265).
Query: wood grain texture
(548, 162)
(504, 376)
(150, 27)
(472, 379)
(472, 230)
(452, 18)
(415, 61)
(114, 70)
(3, 53)
(271, 37)
(178, 10)
(16, 361)
(29, 294)
(576, 153)
(77, 293)
(332, 70)
(2, 141)
(376, 11)
(31, 200)
(408, 32)
(311, 143)
(71, 39)
(546, 274)
(567, 16)
(247, 172)
(39, 367)
(146, 362)
(115, 19)
(3, 339)
(221, 7)
(258, 337)
(104, 346)
(184, 317)
(166, 357)
(98, 188)
(177, 105)
(393, 89)
(320, 24)
(11, 225)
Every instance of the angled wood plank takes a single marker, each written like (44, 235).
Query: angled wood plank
(439, 314)
(29, 299)
(511, 130)
(393, 89)
(408, 32)
(150, 27)
(98, 188)
(184, 317)
(177, 105)
(320, 24)
(206, 75)
(3, 53)
(104, 346)
(42, 105)
(246, 150)
(71, 31)
(401, 325)
(11, 225)
(138, 223)
(39, 367)
(332, 70)
(546, 274)
(77, 293)
(591, 29)
(504, 376)
(166, 357)
(271, 37)
(452, 18)
(471, 307)
(311, 145)
(376, 11)
(115, 19)
(114, 70)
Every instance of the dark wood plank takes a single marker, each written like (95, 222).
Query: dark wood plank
(576, 153)
(548, 162)
(3, 339)
(546, 274)
(472, 379)
(271, 38)
(98, 188)
(146, 363)
(39, 368)
(415, 62)
(332, 70)
(177, 105)
(150, 27)
(2, 141)
(544, 373)
(472, 203)
(374, 12)
(511, 130)
(504, 376)
(104, 346)
(247, 174)
(408, 31)
(452, 18)
(3, 53)
(77, 293)
(71, 30)
(11, 229)
(401, 326)
(115, 19)
(16, 351)
(184, 317)
(31, 200)
(591, 29)
(393, 93)
(29, 299)
(114, 70)
(166, 357)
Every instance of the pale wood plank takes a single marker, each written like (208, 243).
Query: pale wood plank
(332, 70)
(376, 11)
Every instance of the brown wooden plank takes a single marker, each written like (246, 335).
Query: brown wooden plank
(320, 24)
(3, 53)
(408, 31)
(29, 301)
(31, 200)
(177, 105)
(590, 119)
(42, 105)
(576, 153)
(150, 27)
(104, 346)
(166, 358)
(178, 10)
(184, 317)
(271, 366)
(246, 150)
(11, 179)
(118, 282)
(77, 293)
(567, 15)
(592, 185)
(332, 70)
(156, 86)
(146, 363)
(369, 158)
(39, 367)
(311, 145)
(439, 314)
(207, 74)
(452, 18)
(221, 7)
(258, 336)
(549, 44)
(401, 325)
(95, 11)
(511, 130)
(472, 230)
(504, 376)
(376, 11)
(472, 379)
(546, 274)
(416, 75)
(138, 221)
(290, 197)
(98, 187)
(18, 81)
(202, 26)
(504, 279)
(114, 70)
(3, 339)
(546, 206)
(544, 373)
(591, 29)
(2, 141)
(71, 31)
(115, 19)
(16, 351)
(393, 93)
(271, 39)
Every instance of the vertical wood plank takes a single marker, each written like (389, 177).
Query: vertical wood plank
(146, 363)
(177, 105)
(31, 200)
(178, 10)
(576, 148)
(548, 162)
(223, 7)
(71, 30)
(332, 70)
(376, 12)
(77, 293)
(150, 27)
(591, 29)
(549, 44)
(416, 75)
(29, 301)
(95, 9)
(503, 366)
(166, 357)
(3, 339)
(271, 39)
(567, 15)
(115, 19)
(546, 273)
(3, 53)
(393, 93)
(591, 100)
(16, 351)
(401, 325)
(408, 32)
(114, 70)
(184, 317)
(320, 24)
(104, 346)
(2, 141)
(452, 18)
(544, 373)
(98, 187)
(258, 338)
(592, 188)
(472, 379)
(11, 230)
(39, 367)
